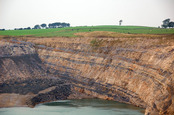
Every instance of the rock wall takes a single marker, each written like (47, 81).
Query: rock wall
(25, 80)
(136, 71)
(140, 74)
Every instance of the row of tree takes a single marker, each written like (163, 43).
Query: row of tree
(45, 26)
(2, 29)
(167, 23)
(28, 28)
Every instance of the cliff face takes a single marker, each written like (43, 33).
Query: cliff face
(24, 79)
(136, 71)
(140, 73)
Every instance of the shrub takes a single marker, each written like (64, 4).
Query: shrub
(96, 43)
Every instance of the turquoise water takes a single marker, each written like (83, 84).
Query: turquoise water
(76, 107)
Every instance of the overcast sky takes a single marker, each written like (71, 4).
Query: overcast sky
(25, 13)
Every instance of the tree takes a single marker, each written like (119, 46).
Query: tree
(165, 23)
(43, 25)
(50, 25)
(120, 22)
(37, 27)
(171, 24)
(28, 28)
(63, 24)
(56, 24)
(68, 24)
(2, 29)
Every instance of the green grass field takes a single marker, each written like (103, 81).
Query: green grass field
(70, 31)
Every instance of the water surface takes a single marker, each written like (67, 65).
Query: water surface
(76, 107)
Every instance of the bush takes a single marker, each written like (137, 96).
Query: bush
(96, 43)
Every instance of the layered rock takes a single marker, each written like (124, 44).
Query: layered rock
(131, 71)
(25, 80)
(140, 74)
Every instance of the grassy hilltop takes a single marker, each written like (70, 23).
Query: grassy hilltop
(72, 31)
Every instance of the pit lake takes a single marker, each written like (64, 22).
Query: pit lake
(76, 107)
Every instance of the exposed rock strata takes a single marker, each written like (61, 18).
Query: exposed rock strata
(25, 80)
(138, 74)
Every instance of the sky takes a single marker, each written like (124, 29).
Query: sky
(27, 13)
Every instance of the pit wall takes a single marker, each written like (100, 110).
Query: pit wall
(142, 76)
